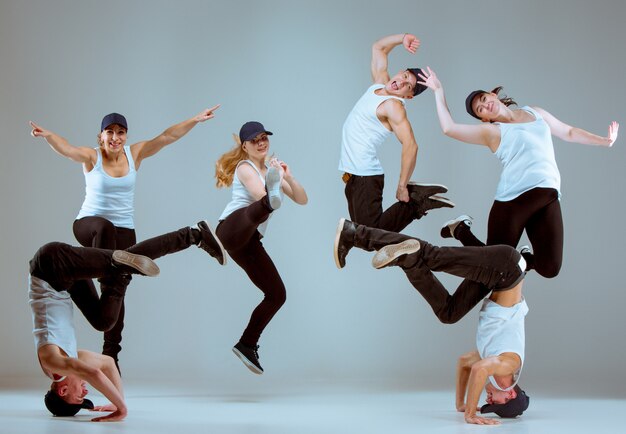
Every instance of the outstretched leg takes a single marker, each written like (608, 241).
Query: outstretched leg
(483, 268)
(61, 265)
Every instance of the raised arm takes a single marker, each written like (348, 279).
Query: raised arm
(292, 188)
(142, 150)
(572, 134)
(484, 134)
(381, 50)
(61, 146)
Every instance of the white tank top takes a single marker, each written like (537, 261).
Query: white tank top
(242, 198)
(110, 197)
(527, 156)
(53, 317)
(363, 134)
(501, 330)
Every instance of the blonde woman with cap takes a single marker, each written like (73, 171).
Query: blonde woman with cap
(106, 218)
(528, 194)
(258, 185)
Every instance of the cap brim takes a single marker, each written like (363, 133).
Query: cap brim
(488, 408)
(252, 136)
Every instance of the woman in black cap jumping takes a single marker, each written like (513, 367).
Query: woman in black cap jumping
(258, 188)
(528, 193)
(105, 219)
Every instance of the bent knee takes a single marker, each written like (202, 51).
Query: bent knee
(448, 318)
(548, 271)
(277, 298)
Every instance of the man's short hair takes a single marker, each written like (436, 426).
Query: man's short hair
(58, 407)
(512, 408)
(419, 88)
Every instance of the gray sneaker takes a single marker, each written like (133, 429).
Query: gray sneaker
(448, 228)
(272, 184)
(388, 254)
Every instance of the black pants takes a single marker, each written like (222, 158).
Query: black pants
(365, 205)
(484, 269)
(84, 293)
(101, 233)
(240, 237)
(539, 212)
(62, 265)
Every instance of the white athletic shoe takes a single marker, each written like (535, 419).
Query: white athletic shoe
(448, 228)
(272, 184)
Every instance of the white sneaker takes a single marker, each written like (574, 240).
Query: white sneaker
(447, 230)
(272, 184)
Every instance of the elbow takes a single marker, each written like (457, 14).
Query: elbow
(463, 361)
(478, 370)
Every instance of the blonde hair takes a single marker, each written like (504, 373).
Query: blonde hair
(225, 166)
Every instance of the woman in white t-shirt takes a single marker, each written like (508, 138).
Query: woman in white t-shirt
(258, 189)
(527, 197)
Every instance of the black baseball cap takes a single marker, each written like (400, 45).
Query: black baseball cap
(58, 407)
(512, 408)
(470, 99)
(251, 129)
(113, 118)
(419, 88)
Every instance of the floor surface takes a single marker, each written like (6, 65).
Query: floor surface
(153, 410)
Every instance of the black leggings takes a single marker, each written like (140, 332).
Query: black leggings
(241, 239)
(539, 212)
(101, 233)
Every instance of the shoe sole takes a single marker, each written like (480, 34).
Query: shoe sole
(420, 184)
(393, 251)
(208, 228)
(251, 366)
(336, 246)
(272, 181)
(143, 264)
(442, 200)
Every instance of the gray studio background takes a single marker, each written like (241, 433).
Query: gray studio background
(299, 67)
